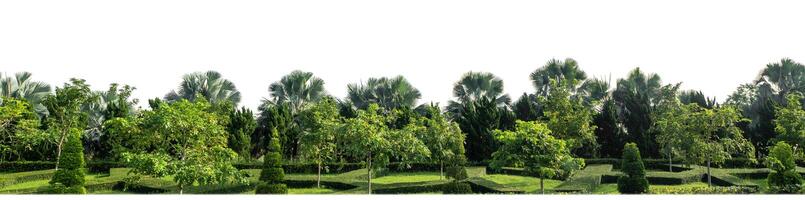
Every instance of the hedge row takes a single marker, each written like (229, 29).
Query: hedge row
(704, 190)
(24, 166)
(312, 183)
(662, 164)
(20, 177)
(410, 189)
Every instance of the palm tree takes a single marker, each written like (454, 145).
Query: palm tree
(697, 97)
(20, 86)
(783, 78)
(636, 97)
(566, 73)
(476, 85)
(297, 89)
(388, 93)
(209, 85)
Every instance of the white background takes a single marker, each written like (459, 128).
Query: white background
(709, 45)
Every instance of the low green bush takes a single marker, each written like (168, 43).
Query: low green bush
(266, 188)
(69, 178)
(704, 190)
(312, 183)
(408, 188)
(24, 166)
(634, 180)
(457, 188)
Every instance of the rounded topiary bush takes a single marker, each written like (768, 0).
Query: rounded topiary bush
(272, 174)
(265, 188)
(634, 179)
(457, 188)
(69, 178)
(784, 178)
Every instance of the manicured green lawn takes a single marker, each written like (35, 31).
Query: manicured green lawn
(610, 188)
(39, 183)
(310, 191)
(527, 184)
(407, 177)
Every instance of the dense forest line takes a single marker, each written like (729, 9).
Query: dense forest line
(200, 126)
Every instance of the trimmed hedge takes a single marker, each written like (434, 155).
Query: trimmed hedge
(20, 177)
(704, 190)
(312, 183)
(24, 166)
(409, 188)
(457, 188)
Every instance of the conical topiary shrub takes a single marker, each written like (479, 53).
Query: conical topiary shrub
(69, 178)
(634, 179)
(272, 175)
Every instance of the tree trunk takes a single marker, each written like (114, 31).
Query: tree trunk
(181, 189)
(58, 150)
(369, 170)
(709, 179)
(670, 162)
(542, 184)
(441, 170)
(318, 177)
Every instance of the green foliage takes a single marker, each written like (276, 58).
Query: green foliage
(18, 129)
(279, 117)
(20, 86)
(478, 120)
(636, 96)
(184, 140)
(533, 147)
(388, 93)
(298, 89)
(240, 128)
(457, 188)
(69, 178)
(65, 115)
(567, 74)
(526, 108)
(319, 123)
(790, 122)
(609, 133)
(785, 178)
(634, 180)
(474, 86)
(569, 120)
(210, 85)
(272, 175)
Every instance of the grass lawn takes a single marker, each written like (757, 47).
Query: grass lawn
(412, 177)
(761, 183)
(40, 183)
(302, 191)
(610, 188)
(527, 184)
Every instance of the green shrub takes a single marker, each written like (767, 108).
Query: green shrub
(272, 175)
(704, 190)
(634, 180)
(266, 188)
(457, 188)
(69, 178)
(785, 178)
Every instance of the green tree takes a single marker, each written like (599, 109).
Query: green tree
(388, 93)
(476, 85)
(65, 114)
(784, 178)
(673, 132)
(566, 73)
(697, 97)
(183, 140)
(368, 137)
(298, 89)
(18, 129)
(714, 136)
(444, 139)
(634, 180)
(609, 133)
(110, 104)
(532, 146)
(272, 175)
(22, 87)
(790, 122)
(569, 120)
(478, 120)
(274, 116)
(528, 108)
(318, 143)
(637, 97)
(69, 178)
(210, 85)
(240, 128)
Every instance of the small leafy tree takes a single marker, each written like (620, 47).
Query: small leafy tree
(444, 139)
(319, 123)
(790, 122)
(368, 137)
(673, 132)
(65, 112)
(70, 177)
(272, 174)
(714, 137)
(570, 120)
(634, 180)
(240, 128)
(784, 178)
(184, 140)
(532, 146)
(18, 129)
